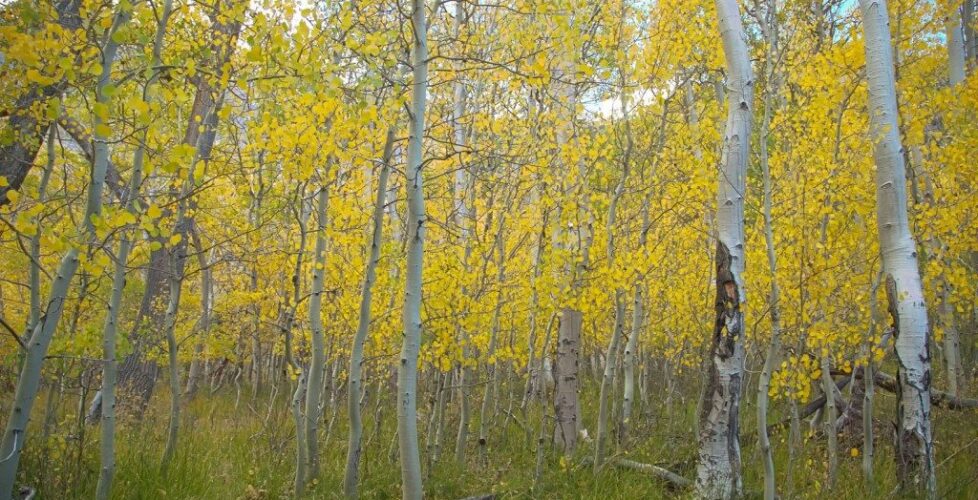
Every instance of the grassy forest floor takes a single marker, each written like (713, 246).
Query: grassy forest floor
(248, 453)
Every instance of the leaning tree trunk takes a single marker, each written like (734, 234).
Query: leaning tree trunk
(28, 383)
(718, 470)
(914, 446)
(138, 373)
(109, 332)
(354, 391)
(201, 154)
(407, 370)
(25, 124)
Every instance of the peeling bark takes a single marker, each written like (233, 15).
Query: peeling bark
(718, 472)
(908, 311)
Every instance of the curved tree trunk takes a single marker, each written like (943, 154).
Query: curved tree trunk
(28, 383)
(355, 389)
(110, 330)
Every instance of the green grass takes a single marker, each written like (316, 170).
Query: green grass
(248, 452)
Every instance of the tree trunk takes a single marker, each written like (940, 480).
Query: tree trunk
(718, 470)
(28, 383)
(137, 375)
(771, 360)
(915, 450)
(566, 407)
(970, 43)
(407, 373)
(629, 362)
(955, 46)
(109, 332)
(317, 365)
(355, 389)
(17, 156)
(492, 365)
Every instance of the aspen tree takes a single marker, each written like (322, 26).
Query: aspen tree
(718, 472)
(110, 330)
(354, 448)
(15, 433)
(407, 370)
(908, 312)
(772, 357)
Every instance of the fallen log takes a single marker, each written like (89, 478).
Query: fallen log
(654, 470)
(939, 399)
(659, 472)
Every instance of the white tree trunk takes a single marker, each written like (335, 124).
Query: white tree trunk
(952, 338)
(407, 372)
(628, 363)
(915, 451)
(492, 365)
(15, 433)
(465, 220)
(608, 378)
(955, 47)
(718, 469)
(970, 43)
(566, 381)
(109, 331)
(772, 358)
(355, 388)
(317, 364)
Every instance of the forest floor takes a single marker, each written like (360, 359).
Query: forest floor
(248, 452)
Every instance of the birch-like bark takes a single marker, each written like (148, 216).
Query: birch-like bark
(300, 433)
(628, 363)
(109, 331)
(611, 356)
(205, 140)
(407, 373)
(465, 220)
(638, 313)
(952, 338)
(355, 389)
(955, 47)
(771, 360)
(317, 364)
(492, 365)
(915, 449)
(970, 43)
(196, 371)
(718, 472)
(566, 378)
(868, 386)
(35, 273)
(829, 420)
(28, 383)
